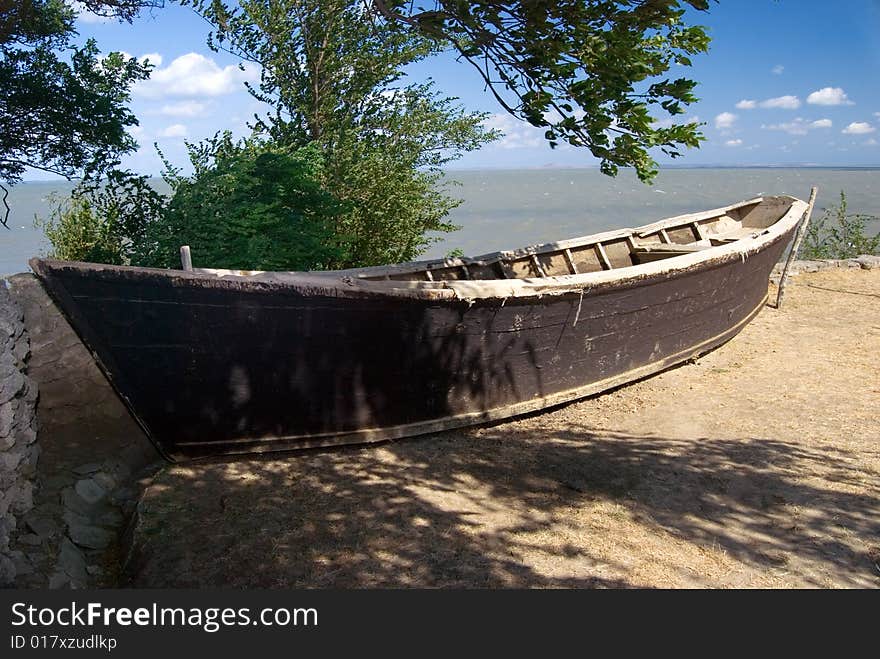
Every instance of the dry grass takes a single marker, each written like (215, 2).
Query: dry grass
(758, 466)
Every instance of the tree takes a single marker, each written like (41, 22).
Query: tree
(62, 108)
(333, 79)
(586, 70)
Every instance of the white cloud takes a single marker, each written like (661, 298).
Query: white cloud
(678, 120)
(777, 70)
(724, 120)
(553, 116)
(779, 103)
(173, 131)
(733, 143)
(154, 58)
(799, 126)
(517, 134)
(181, 109)
(877, 114)
(782, 103)
(86, 16)
(859, 128)
(829, 96)
(194, 75)
(871, 142)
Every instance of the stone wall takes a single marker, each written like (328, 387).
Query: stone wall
(93, 455)
(18, 434)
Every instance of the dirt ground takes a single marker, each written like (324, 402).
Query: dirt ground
(756, 466)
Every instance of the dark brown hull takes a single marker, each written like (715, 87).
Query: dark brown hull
(220, 366)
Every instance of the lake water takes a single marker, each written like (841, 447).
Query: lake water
(505, 209)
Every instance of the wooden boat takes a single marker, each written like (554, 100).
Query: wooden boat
(223, 362)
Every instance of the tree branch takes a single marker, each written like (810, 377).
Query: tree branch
(5, 220)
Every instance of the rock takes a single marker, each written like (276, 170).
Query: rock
(95, 570)
(89, 491)
(868, 262)
(92, 537)
(22, 564)
(22, 351)
(7, 414)
(7, 571)
(32, 392)
(9, 460)
(44, 527)
(37, 557)
(20, 497)
(72, 562)
(11, 382)
(70, 517)
(49, 509)
(73, 501)
(105, 480)
(31, 539)
(26, 436)
(86, 469)
(28, 465)
(58, 580)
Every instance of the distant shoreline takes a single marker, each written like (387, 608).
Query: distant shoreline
(838, 168)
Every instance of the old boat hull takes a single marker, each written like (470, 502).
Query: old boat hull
(230, 364)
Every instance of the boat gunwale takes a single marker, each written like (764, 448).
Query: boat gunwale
(341, 284)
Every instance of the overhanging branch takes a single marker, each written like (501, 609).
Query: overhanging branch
(5, 220)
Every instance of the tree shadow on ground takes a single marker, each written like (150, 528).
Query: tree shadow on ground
(495, 507)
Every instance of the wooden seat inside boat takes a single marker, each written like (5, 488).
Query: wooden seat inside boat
(659, 251)
(611, 250)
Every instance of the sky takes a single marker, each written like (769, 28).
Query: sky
(785, 82)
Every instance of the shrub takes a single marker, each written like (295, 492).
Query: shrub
(839, 235)
(248, 205)
(104, 220)
(78, 233)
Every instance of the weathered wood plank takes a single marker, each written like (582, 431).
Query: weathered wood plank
(603, 257)
(186, 262)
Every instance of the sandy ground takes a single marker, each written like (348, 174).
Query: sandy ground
(756, 466)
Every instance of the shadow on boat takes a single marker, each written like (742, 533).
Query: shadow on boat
(506, 507)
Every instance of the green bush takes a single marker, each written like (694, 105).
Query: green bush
(839, 235)
(78, 232)
(104, 220)
(248, 205)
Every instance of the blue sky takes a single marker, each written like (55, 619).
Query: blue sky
(786, 82)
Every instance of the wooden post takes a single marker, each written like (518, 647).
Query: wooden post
(186, 258)
(796, 245)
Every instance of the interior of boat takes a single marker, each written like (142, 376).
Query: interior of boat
(606, 251)
(611, 250)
